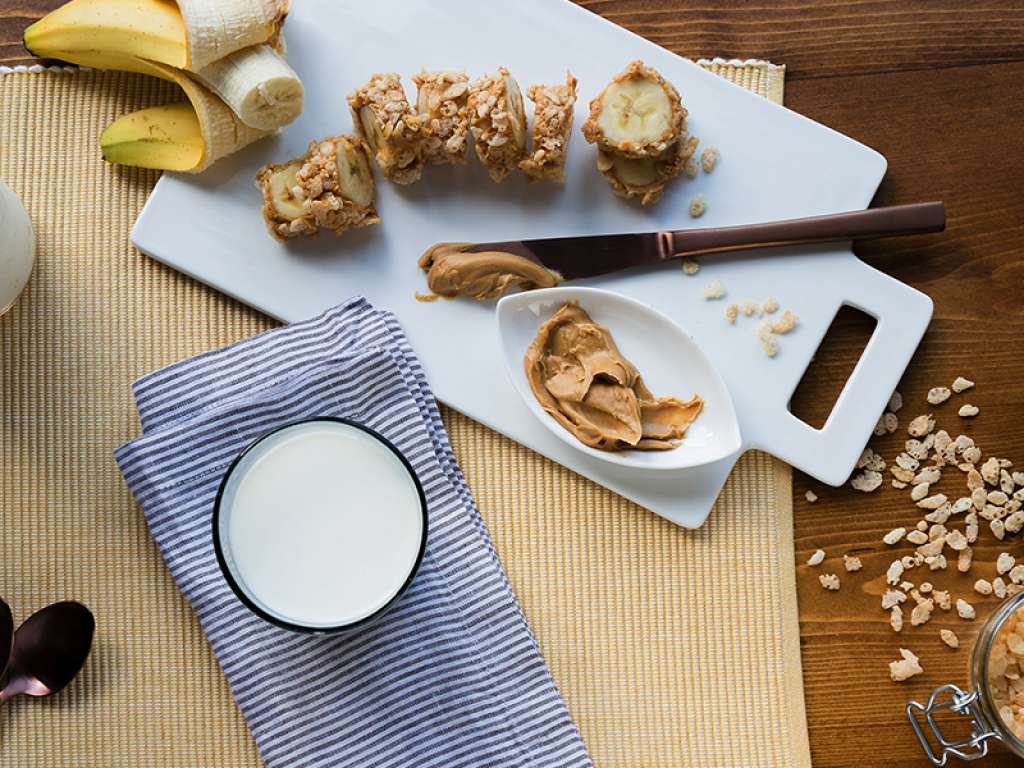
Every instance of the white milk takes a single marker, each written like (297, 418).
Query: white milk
(17, 247)
(320, 524)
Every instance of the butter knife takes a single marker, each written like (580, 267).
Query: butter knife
(587, 256)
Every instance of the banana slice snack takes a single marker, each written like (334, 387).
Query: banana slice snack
(442, 101)
(552, 126)
(386, 122)
(330, 188)
(498, 122)
(638, 114)
(646, 177)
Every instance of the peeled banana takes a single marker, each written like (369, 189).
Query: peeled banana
(258, 85)
(331, 188)
(638, 114)
(188, 34)
(146, 138)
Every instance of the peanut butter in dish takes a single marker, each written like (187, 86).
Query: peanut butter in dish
(452, 271)
(581, 379)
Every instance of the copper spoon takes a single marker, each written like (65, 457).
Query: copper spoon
(48, 650)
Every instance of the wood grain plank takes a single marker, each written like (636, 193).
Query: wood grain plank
(955, 135)
(824, 38)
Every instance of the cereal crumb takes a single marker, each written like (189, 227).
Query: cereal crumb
(829, 581)
(964, 609)
(921, 613)
(949, 638)
(893, 574)
(691, 267)
(771, 306)
(895, 401)
(786, 323)
(999, 587)
(894, 536)
(697, 207)
(852, 563)
(906, 667)
(714, 290)
(731, 313)
(751, 308)
(937, 395)
(817, 557)
(896, 618)
(968, 410)
(917, 537)
(811, 497)
(708, 158)
(891, 598)
(942, 599)
(921, 426)
(769, 343)
(932, 502)
(867, 481)
(1004, 562)
(983, 587)
(964, 559)
(692, 168)
(960, 384)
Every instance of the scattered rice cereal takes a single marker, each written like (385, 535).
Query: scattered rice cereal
(816, 558)
(906, 667)
(731, 312)
(960, 384)
(771, 306)
(967, 411)
(829, 581)
(867, 481)
(786, 323)
(697, 206)
(852, 563)
(714, 290)
(937, 395)
(691, 267)
(708, 158)
(811, 497)
(964, 609)
(949, 638)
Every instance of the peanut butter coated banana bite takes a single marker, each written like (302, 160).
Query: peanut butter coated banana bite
(389, 126)
(442, 101)
(330, 188)
(498, 123)
(552, 127)
(639, 126)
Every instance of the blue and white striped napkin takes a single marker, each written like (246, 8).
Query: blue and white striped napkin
(452, 675)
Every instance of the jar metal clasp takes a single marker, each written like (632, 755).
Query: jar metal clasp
(964, 703)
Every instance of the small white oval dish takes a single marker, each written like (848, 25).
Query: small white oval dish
(669, 360)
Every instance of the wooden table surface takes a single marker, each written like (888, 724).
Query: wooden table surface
(936, 87)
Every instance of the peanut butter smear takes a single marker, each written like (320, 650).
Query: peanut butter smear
(451, 271)
(580, 378)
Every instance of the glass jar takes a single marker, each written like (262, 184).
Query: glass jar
(982, 701)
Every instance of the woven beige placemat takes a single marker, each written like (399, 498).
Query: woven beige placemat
(672, 648)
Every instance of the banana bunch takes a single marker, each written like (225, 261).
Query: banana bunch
(224, 54)
(638, 123)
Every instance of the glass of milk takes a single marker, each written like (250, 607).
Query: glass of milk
(17, 247)
(320, 525)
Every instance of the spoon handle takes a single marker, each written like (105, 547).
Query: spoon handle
(915, 218)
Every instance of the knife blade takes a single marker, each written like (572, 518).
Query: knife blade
(591, 255)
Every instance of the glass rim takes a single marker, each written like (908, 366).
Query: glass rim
(261, 612)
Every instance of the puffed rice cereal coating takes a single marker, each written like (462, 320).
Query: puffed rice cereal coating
(553, 107)
(389, 126)
(330, 188)
(498, 122)
(442, 102)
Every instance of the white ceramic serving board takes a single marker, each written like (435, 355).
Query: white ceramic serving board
(775, 164)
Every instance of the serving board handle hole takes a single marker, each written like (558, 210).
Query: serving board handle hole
(832, 365)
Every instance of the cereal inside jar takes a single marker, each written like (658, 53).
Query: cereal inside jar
(994, 699)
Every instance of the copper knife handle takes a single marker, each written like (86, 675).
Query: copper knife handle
(915, 218)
